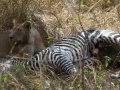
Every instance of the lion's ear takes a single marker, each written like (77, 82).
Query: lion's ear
(27, 25)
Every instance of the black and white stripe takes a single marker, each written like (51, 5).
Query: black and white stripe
(62, 55)
(108, 36)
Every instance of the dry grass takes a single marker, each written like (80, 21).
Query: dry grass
(62, 19)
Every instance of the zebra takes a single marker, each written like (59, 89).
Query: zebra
(107, 36)
(63, 56)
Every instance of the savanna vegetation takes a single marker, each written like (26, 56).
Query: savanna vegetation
(63, 18)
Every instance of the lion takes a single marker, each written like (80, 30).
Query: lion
(27, 39)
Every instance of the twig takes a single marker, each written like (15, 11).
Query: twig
(85, 51)
(13, 47)
(83, 86)
(93, 6)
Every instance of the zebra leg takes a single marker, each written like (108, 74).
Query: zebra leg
(66, 66)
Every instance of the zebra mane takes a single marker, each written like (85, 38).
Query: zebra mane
(91, 30)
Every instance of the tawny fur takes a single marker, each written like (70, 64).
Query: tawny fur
(27, 37)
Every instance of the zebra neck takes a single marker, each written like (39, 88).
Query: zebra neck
(33, 63)
(18, 61)
(30, 63)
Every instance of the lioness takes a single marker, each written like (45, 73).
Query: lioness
(27, 38)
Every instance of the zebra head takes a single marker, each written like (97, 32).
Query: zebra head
(4, 65)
